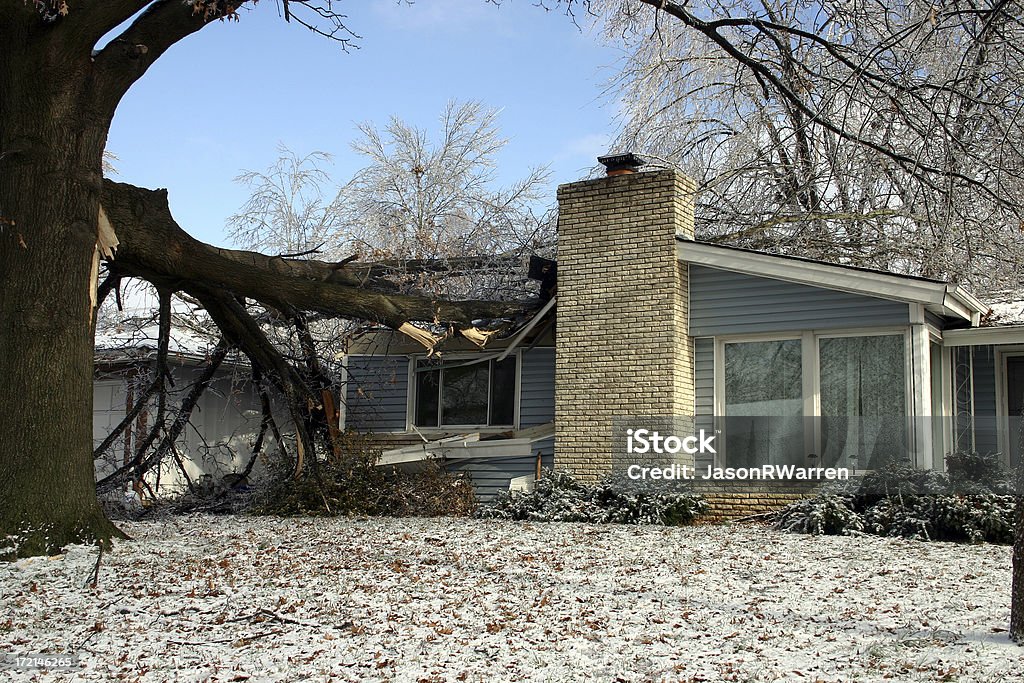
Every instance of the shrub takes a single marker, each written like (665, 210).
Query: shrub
(351, 483)
(558, 497)
(971, 503)
(973, 473)
(831, 512)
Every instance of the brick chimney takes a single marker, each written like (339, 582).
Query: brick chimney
(622, 343)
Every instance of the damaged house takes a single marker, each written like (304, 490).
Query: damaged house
(776, 360)
(787, 361)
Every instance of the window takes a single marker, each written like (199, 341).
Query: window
(764, 403)
(465, 393)
(842, 398)
(863, 400)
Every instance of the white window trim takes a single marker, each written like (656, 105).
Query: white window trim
(947, 406)
(811, 374)
(1002, 403)
(410, 409)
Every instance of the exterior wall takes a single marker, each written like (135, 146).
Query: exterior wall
(536, 407)
(224, 426)
(376, 393)
(704, 390)
(733, 499)
(622, 342)
(491, 475)
(377, 402)
(537, 387)
(724, 302)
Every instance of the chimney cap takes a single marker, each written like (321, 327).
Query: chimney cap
(621, 163)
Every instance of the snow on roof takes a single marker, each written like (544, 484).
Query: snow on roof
(1007, 308)
(134, 329)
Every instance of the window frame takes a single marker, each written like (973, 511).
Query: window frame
(811, 373)
(455, 358)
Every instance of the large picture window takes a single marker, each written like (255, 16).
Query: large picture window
(465, 393)
(841, 398)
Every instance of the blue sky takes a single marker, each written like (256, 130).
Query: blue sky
(222, 100)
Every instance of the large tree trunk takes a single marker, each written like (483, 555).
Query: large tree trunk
(50, 179)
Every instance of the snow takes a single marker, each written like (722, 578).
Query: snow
(135, 327)
(1007, 307)
(206, 598)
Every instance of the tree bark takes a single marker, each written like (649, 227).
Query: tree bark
(1017, 579)
(51, 148)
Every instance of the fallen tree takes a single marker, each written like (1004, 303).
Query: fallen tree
(153, 247)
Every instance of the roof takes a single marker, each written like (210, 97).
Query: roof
(132, 332)
(1007, 307)
(1003, 325)
(940, 297)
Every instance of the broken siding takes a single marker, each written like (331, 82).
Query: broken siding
(490, 475)
(724, 302)
(376, 395)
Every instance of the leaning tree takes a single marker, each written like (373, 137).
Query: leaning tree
(59, 218)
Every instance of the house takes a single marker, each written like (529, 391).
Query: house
(783, 360)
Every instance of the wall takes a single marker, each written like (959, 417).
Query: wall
(704, 390)
(723, 302)
(734, 499)
(377, 394)
(219, 441)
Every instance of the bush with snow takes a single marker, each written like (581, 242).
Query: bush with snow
(971, 502)
(830, 512)
(558, 497)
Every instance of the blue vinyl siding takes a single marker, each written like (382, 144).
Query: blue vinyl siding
(377, 399)
(376, 395)
(537, 387)
(724, 302)
(490, 475)
(704, 377)
(536, 407)
(704, 390)
(378, 387)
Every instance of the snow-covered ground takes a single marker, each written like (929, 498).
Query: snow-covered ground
(236, 599)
